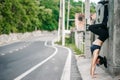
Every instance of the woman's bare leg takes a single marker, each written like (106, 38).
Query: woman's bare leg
(93, 64)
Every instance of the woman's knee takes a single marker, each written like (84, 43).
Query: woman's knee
(90, 27)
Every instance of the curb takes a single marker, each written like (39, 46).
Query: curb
(84, 69)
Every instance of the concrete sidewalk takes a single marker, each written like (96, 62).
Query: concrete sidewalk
(84, 69)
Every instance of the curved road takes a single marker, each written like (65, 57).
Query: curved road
(34, 60)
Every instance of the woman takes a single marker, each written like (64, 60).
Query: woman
(102, 32)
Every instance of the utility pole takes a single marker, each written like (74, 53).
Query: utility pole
(60, 21)
(68, 14)
(87, 33)
(87, 11)
(63, 23)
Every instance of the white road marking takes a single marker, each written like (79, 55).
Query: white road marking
(56, 68)
(24, 46)
(53, 43)
(67, 67)
(16, 49)
(10, 51)
(2, 54)
(38, 65)
(21, 48)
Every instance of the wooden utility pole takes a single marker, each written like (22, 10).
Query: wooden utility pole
(87, 33)
(63, 23)
(61, 28)
(68, 14)
(60, 21)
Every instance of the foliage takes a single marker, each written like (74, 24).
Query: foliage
(71, 45)
(76, 7)
(92, 7)
(28, 15)
(51, 14)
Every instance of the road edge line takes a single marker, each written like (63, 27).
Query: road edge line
(67, 67)
(38, 65)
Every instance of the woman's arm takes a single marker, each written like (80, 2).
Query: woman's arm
(94, 59)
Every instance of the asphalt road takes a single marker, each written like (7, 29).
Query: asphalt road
(35, 60)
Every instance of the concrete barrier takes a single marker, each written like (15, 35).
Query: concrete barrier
(14, 37)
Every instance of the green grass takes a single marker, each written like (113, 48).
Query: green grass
(70, 44)
(74, 48)
(59, 43)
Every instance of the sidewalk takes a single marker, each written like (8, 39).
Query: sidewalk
(84, 69)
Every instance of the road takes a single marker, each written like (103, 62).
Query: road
(36, 60)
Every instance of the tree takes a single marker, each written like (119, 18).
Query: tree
(28, 15)
(31, 12)
(18, 15)
(92, 7)
(51, 15)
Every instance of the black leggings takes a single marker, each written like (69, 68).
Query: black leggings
(100, 30)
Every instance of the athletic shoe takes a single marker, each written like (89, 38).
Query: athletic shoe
(105, 62)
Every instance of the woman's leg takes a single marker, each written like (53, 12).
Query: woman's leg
(105, 19)
(93, 64)
(98, 29)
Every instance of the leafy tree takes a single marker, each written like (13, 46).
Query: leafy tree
(92, 7)
(29, 15)
(52, 12)
(76, 7)
(18, 15)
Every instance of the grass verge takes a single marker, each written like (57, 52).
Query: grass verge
(70, 44)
